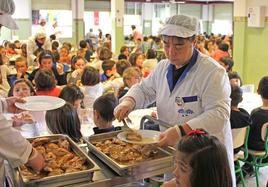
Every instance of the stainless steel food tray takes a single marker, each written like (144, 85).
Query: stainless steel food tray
(163, 159)
(67, 178)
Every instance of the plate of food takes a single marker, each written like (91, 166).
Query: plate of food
(40, 103)
(139, 136)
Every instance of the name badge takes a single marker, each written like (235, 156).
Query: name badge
(179, 101)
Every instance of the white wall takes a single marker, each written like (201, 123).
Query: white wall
(23, 9)
(52, 4)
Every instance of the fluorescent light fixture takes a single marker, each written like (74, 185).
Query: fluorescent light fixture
(174, 1)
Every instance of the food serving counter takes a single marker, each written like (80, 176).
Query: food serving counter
(109, 173)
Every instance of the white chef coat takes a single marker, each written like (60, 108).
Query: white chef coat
(200, 98)
(13, 147)
(32, 47)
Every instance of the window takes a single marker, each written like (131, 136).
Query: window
(62, 17)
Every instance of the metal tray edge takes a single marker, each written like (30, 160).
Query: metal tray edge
(66, 175)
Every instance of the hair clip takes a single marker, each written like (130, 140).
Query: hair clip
(47, 55)
(196, 132)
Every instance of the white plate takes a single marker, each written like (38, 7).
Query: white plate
(148, 137)
(41, 103)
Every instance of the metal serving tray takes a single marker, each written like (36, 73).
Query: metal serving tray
(66, 178)
(163, 159)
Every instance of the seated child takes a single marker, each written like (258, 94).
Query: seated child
(30, 124)
(131, 76)
(64, 55)
(227, 63)
(239, 117)
(45, 60)
(109, 70)
(103, 114)
(201, 160)
(73, 95)
(78, 63)
(150, 62)
(45, 83)
(259, 116)
(102, 53)
(64, 120)
(85, 47)
(21, 67)
(81, 53)
(91, 86)
(124, 53)
(234, 78)
(137, 60)
(115, 84)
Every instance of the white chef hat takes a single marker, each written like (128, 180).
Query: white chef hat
(7, 8)
(40, 33)
(183, 26)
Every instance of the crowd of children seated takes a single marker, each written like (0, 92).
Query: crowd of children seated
(97, 83)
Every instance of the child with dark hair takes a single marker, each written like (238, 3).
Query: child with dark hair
(113, 85)
(201, 160)
(221, 52)
(227, 63)
(21, 68)
(259, 116)
(102, 53)
(121, 66)
(234, 78)
(73, 95)
(20, 88)
(239, 117)
(109, 70)
(29, 123)
(46, 62)
(103, 113)
(78, 64)
(91, 86)
(124, 53)
(85, 47)
(45, 83)
(64, 120)
(146, 44)
(137, 60)
(64, 55)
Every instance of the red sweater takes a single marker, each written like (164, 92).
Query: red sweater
(219, 53)
(54, 92)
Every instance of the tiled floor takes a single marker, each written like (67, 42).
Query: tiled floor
(251, 182)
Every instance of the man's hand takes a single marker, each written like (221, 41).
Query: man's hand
(22, 118)
(10, 104)
(36, 161)
(170, 137)
(124, 108)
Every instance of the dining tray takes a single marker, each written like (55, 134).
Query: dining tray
(163, 158)
(66, 178)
